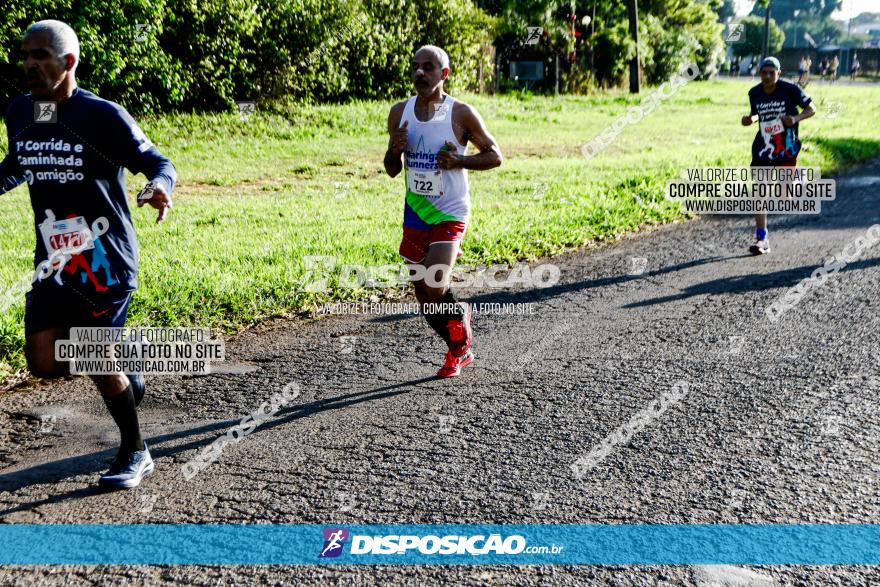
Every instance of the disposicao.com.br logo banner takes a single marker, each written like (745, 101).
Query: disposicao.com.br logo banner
(441, 544)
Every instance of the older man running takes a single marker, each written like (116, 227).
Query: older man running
(72, 147)
(433, 129)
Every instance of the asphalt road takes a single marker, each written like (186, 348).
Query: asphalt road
(779, 423)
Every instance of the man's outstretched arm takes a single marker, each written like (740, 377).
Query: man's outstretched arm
(138, 154)
(396, 141)
(808, 112)
(11, 175)
(753, 113)
(476, 132)
(808, 109)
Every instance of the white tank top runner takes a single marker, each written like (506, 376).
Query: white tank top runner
(433, 195)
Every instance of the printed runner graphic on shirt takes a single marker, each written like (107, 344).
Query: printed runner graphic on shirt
(74, 168)
(72, 238)
(91, 271)
(774, 144)
(59, 161)
(778, 140)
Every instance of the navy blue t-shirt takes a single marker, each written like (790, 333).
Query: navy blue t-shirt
(73, 160)
(774, 144)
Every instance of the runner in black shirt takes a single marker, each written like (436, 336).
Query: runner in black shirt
(775, 102)
(72, 149)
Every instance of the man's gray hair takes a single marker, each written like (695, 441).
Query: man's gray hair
(62, 38)
(442, 56)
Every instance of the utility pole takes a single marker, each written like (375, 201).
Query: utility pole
(765, 51)
(572, 56)
(497, 71)
(556, 75)
(593, 32)
(634, 84)
(849, 28)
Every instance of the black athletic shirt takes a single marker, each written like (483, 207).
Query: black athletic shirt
(774, 144)
(74, 165)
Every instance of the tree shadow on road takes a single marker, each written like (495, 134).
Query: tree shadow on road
(56, 471)
(749, 282)
(512, 296)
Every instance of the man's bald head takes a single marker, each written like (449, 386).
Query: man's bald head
(430, 69)
(441, 58)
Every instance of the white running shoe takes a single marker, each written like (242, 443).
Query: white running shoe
(760, 247)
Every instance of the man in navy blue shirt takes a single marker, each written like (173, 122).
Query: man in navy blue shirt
(775, 102)
(72, 148)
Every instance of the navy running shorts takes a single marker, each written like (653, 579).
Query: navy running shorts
(49, 306)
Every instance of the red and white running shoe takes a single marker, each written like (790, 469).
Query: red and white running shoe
(452, 366)
(460, 333)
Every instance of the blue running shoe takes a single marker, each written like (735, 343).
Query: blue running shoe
(128, 470)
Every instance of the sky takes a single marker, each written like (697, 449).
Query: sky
(850, 8)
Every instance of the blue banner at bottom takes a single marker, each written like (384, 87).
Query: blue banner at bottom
(468, 544)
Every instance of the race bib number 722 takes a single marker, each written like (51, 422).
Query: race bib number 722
(425, 183)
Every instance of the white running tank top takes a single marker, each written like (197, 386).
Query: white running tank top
(433, 195)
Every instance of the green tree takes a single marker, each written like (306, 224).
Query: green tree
(866, 18)
(153, 55)
(783, 10)
(120, 49)
(821, 29)
(687, 32)
(754, 37)
(726, 10)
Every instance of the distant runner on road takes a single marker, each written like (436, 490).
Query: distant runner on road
(432, 130)
(72, 149)
(775, 103)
